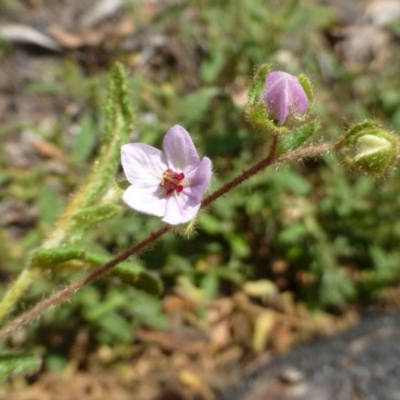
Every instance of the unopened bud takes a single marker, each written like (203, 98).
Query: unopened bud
(275, 98)
(371, 149)
(284, 97)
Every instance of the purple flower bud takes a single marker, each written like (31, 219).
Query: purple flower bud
(284, 96)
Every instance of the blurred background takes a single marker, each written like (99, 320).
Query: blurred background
(297, 252)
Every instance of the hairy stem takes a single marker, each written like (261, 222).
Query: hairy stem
(67, 292)
(119, 123)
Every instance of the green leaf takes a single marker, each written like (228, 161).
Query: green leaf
(116, 326)
(293, 182)
(95, 214)
(239, 246)
(293, 233)
(209, 285)
(50, 206)
(119, 124)
(139, 278)
(13, 364)
(336, 287)
(209, 223)
(45, 258)
(85, 141)
(195, 105)
(129, 274)
(148, 309)
(295, 139)
(211, 68)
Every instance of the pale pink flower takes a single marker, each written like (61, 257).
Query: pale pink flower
(169, 183)
(284, 96)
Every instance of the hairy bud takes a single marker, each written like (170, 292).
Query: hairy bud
(371, 149)
(277, 98)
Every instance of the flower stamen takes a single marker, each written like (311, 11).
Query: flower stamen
(171, 181)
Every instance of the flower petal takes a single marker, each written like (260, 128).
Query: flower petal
(196, 182)
(180, 150)
(184, 206)
(150, 200)
(143, 165)
(284, 96)
(180, 209)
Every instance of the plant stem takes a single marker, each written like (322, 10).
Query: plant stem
(65, 293)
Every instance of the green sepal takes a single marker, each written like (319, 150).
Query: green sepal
(186, 230)
(258, 117)
(362, 126)
(257, 86)
(296, 138)
(306, 84)
(95, 214)
(14, 364)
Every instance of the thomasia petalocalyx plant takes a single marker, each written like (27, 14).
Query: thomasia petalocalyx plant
(170, 183)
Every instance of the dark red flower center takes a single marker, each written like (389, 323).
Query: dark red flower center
(171, 181)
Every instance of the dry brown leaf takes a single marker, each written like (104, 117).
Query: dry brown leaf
(185, 339)
(47, 149)
(75, 41)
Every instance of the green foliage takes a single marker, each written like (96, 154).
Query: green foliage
(15, 364)
(71, 258)
(93, 215)
(307, 86)
(48, 257)
(85, 141)
(119, 123)
(257, 87)
(297, 137)
(339, 229)
(138, 307)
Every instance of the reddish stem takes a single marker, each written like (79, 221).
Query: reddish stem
(65, 293)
